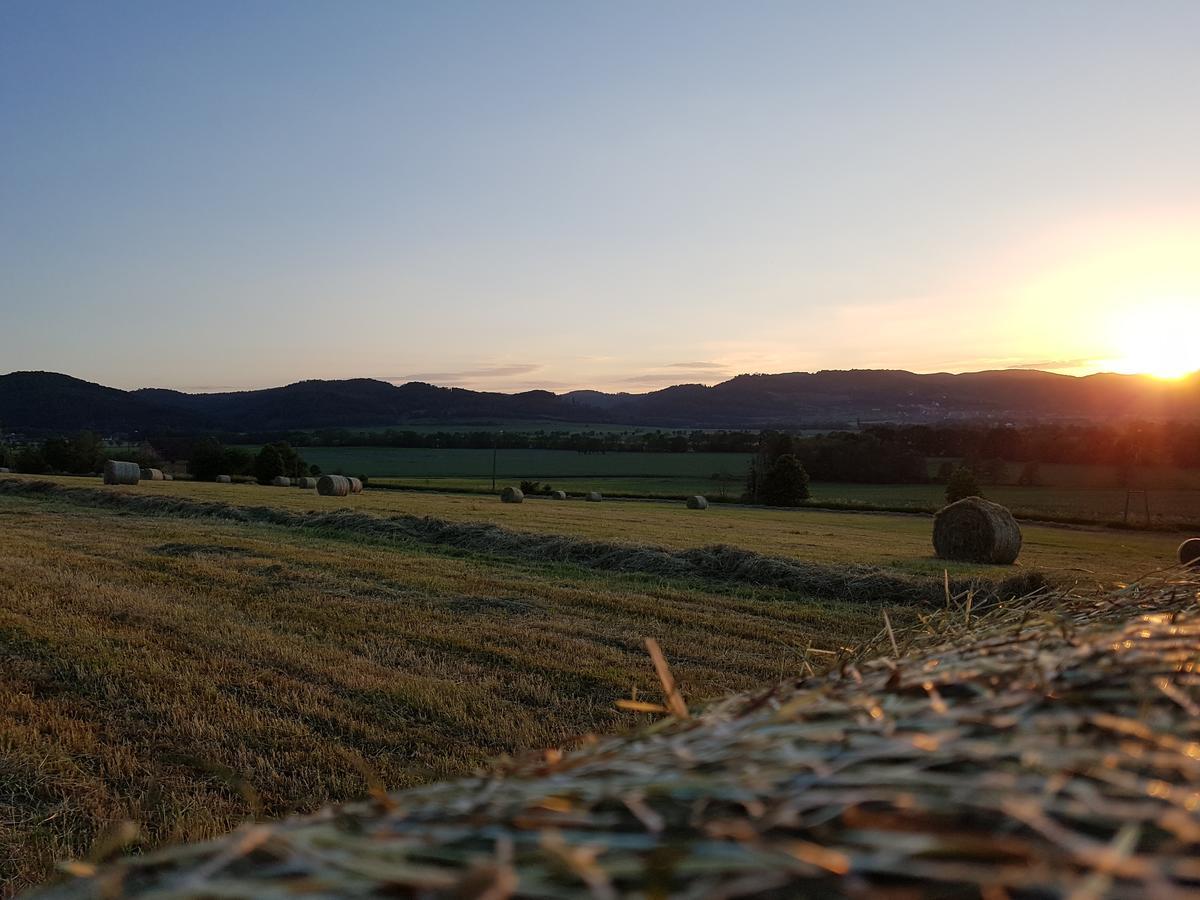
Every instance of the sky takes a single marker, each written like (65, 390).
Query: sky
(613, 195)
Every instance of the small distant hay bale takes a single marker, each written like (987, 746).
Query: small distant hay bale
(224, 479)
(5, 470)
(978, 531)
(307, 483)
(333, 486)
(356, 485)
(512, 495)
(152, 475)
(594, 497)
(281, 481)
(697, 502)
(558, 495)
(167, 476)
(117, 472)
(1189, 552)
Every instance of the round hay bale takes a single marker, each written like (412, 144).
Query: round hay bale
(281, 481)
(356, 485)
(558, 495)
(152, 475)
(1189, 552)
(594, 497)
(5, 470)
(307, 483)
(167, 476)
(512, 495)
(978, 531)
(116, 472)
(697, 502)
(224, 479)
(333, 486)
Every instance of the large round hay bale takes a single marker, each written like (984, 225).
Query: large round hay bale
(333, 486)
(697, 502)
(558, 495)
(594, 497)
(978, 531)
(1189, 552)
(356, 485)
(116, 472)
(224, 479)
(307, 483)
(152, 475)
(512, 495)
(281, 481)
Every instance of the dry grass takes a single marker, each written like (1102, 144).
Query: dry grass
(1045, 749)
(1090, 556)
(189, 674)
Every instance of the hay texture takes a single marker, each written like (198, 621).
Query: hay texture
(281, 481)
(594, 497)
(152, 475)
(978, 531)
(697, 502)
(1189, 552)
(307, 483)
(117, 472)
(356, 485)
(224, 479)
(558, 495)
(167, 476)
(333, 486)
(512, 495)
(1046, 749)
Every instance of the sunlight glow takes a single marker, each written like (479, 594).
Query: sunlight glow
(1158, 337)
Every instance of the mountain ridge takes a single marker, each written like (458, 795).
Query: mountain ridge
(50, 401)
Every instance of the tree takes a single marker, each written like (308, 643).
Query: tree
(31, 461)
(207, 459)
(268, 464)
(785, 483)
(962, 484)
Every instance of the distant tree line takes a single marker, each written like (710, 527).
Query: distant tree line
(83, 453)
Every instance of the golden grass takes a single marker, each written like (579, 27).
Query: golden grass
(188, 674)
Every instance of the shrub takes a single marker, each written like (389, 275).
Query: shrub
(962, 484)
(785, 483)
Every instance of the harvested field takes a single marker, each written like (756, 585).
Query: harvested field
(1047, 748)
(192, 673)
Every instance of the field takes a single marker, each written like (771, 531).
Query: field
(1066, 493)
(187, 672)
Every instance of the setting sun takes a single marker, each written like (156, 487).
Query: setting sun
(1159, 338)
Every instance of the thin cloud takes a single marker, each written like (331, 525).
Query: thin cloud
(1054, 364)
(697, 366)
(506, 371)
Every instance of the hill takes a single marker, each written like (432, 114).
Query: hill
(45, 401)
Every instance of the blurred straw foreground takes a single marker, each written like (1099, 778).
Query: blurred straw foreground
(1040, 748)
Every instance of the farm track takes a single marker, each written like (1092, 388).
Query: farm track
(718, 564)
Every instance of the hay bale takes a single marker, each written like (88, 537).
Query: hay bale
(224, 479)
(697, 502)
(593, 497)
(5, 470)
(978, 531)
(281, 481)
(558, 495)
(307, 483)
(333, 486)
(167, 476)
(356, 485)
(116, 472)
(1189, 552)
(512, 495)
(152, 475)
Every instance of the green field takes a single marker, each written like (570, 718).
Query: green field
(1067, 493)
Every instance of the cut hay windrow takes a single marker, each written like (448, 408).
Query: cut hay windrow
(720, 564)
(1045, 749)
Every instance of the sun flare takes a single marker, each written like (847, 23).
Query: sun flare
(1159, 338)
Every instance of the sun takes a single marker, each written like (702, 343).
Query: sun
(1158, 337)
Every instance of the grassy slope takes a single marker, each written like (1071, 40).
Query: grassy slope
(161, 669)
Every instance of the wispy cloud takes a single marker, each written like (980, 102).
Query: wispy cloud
(697, 366)
(510, 370)
(1052, 364)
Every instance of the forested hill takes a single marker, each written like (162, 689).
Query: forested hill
(45, 401)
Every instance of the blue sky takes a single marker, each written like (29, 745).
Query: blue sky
(616, 195)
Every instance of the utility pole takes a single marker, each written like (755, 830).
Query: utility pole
(495, 446)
